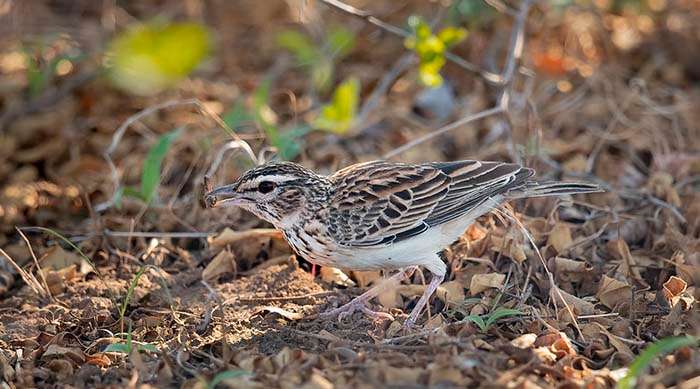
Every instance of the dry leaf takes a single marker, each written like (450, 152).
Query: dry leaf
(545, 355)
(57, 258)
(569, 265)
(560, 237)
(73, 353)
(613, 293)
(445, 376)
(577, 304)
(228, 236)
(364, 278)
(336, 276)
(524, 341)
(452, 293)
(280, 311)
(317, 381)
(481, 282)
(98, 359)
(390, 298)
(621, 250)
(401, 375)
(558, 343)
(675, 291)
(223, 263)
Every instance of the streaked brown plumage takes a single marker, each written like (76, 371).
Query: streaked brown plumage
(380, 214)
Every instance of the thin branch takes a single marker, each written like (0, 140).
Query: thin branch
(386, 82)
(159, 235)
(367, 16)
(119, 133)
(444, 129)
(515, 51)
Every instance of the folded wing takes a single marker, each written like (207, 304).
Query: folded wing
(378, 203)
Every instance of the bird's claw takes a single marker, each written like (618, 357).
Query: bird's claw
(350, 308)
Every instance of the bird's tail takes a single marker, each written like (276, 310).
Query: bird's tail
(552, 188)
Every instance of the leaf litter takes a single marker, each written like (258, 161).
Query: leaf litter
(220, 299)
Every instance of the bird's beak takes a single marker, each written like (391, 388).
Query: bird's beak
(222, 195)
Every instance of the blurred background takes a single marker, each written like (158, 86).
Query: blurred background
(113, 112)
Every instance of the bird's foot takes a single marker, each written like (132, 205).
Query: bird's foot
(423, 302)
(352, 307)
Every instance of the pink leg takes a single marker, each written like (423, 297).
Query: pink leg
(434, 283)
(359, 303)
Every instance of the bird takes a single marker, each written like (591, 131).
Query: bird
(382, 215)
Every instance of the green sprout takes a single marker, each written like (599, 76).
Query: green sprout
(653, 351)
(492, 317)
(318, 59)
(151, 171)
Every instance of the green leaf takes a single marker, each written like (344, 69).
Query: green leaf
(340, 41)
(147, 347)
(148, 58)
(129, 294)
(501, 313)
(237, 116)
(476, 319)
(287, 143)
(300, 45)
(118, 348)
(127, 191)
(338, 116)
(150, 175)
(651, 352)
(226, 375)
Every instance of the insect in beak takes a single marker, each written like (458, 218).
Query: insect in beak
(223, 195)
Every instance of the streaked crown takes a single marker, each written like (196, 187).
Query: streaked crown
(277, 192)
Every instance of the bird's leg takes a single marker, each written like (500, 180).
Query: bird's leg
(429, 290)
(359, 302)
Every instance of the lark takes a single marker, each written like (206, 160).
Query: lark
(382, 215)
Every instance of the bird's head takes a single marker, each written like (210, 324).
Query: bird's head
(275, 192)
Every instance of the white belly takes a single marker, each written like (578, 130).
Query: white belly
(418, 250)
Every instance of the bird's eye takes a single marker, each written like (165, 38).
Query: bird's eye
(266, 187)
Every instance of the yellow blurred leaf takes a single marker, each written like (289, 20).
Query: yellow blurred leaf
(148, 58)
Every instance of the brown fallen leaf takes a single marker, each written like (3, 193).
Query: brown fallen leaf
(482, 282)
(224, 262)
(675, 292)
(560, 237)
(335, 276)
(613, 293)
(54, 350)
(557, 342)
(56, 258)
(364, 278)
(62, 367)
(390, 298)
(524, 341)
(280, 311)
(621, 251)
(578, 305)
(451, 292)
(228, 236)
(98, 359)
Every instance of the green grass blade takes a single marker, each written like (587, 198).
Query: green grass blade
(499, 314)
(130, 292)
(150, 176)
(478, 321)
(651, 352)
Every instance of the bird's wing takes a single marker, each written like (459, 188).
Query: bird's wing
(378, 203)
